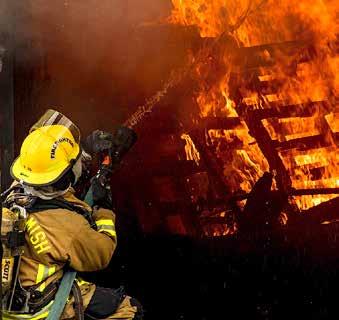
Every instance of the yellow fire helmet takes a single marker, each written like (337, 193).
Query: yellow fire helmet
(48, 152)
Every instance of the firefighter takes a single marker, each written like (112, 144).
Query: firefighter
(57, 234)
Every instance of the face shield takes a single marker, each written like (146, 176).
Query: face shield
(55, 118)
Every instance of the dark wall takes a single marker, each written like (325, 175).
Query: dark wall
(93, 60)
(6, 93)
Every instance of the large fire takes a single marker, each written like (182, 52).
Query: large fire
(297, 87)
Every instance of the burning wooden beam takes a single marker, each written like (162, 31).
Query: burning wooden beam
(219, 123)
(268, 54)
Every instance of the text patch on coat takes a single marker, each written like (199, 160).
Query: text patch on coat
(37, 236)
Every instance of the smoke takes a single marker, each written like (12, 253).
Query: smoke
(90, 59)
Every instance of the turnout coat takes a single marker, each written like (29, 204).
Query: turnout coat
(56, 238)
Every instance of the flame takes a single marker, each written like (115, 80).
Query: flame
(211, 17)
(332, 120)
(192, 153)
(316, 168)
(286, 129)
(306, 202)
(211, 229)
(308, 169)
(250, 23)
(216, 102)
(243, 160)
(259, 21)
(283, 218)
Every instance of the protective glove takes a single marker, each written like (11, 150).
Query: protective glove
(98, 141)
(102, 195)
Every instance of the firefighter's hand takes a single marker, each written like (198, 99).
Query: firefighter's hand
(98, 141)
(102, 195)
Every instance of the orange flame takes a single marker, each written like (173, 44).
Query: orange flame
(250, 23)
(192, 153)
(245, 163)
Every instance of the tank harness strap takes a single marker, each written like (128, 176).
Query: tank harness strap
(62, 295)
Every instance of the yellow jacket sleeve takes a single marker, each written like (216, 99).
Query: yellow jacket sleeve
(92, 250)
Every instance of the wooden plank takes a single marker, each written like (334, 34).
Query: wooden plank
(219, 123)
(270, 54)
(304, 143)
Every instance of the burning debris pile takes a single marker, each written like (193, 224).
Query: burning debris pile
(267, 93)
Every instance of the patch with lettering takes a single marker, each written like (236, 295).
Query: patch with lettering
(37, 236)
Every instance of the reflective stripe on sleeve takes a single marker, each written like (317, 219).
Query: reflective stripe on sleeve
(103, 222)
(107, 226)
(43, 273)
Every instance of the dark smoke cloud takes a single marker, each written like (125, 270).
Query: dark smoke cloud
(88, 58)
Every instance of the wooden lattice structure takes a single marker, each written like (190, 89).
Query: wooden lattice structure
(195, 198)
(266, 116)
